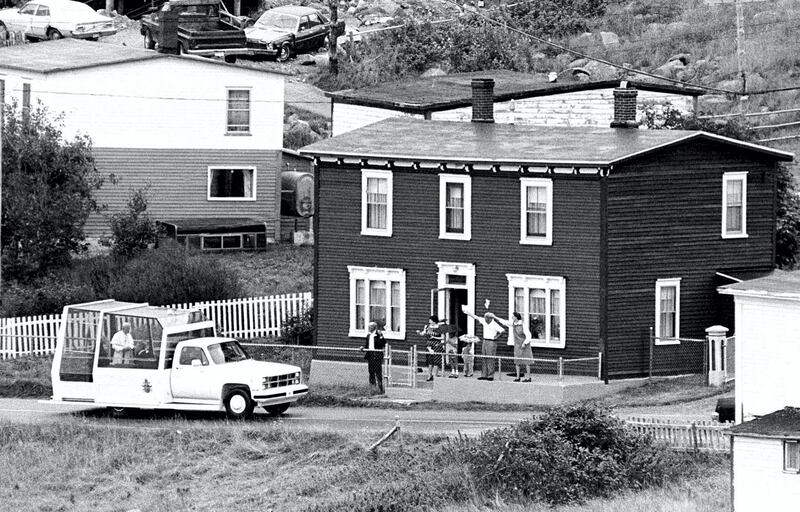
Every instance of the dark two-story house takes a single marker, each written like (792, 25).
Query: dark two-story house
(595, 235)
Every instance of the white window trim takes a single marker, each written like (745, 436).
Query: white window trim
(726, 178)
(547, 283)
(523, 217)
(227, 168)
(792, 471)
(249, 131)
(366, 174)
(378, 274)
(444, 180)
(456, 269)
(664, 283)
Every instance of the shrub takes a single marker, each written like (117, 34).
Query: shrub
(298, 329)
(571, 454)
(43, 296)
(132, 231)
(170, 274)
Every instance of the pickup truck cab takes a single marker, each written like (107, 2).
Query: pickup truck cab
(124, 355)
(204, 27)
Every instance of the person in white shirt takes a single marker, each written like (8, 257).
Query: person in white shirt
(122, 343)
(373, 346)
(491, 331)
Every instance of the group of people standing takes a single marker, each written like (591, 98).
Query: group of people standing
(442, 342)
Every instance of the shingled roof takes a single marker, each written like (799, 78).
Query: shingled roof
(779, 283)
(783, 423)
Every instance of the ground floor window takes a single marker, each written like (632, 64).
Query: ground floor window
(377, 295)
(668, 311)
(541, 300)
(791, 456)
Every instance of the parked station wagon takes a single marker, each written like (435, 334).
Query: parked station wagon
(124, 355)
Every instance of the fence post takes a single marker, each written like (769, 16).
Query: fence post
(499, 368)
(650, 348)
(600, 366)
(694, 437)
(560, 368)
(412, 358)
(387, 374)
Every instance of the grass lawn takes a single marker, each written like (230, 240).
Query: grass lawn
(179, 465)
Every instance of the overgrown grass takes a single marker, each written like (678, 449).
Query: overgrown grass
(282, 268)
(26, 377)
(179, 465)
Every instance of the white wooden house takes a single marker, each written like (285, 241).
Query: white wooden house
(207, 136)
(767, 311)
(519, 98)
(766, 463)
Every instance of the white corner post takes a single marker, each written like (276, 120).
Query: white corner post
(716, 335)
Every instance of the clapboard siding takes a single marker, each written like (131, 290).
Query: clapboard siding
(347, 117)
(494, 249)
(759, 482)
(179, 179)
(664, 221)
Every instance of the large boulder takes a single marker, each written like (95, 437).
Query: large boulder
(677, 27)
(600, 71)
(609, 39)
(671, 68)
(434, 71)
(388, 7)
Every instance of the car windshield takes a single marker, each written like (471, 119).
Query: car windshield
(227, 352)
(277, 20)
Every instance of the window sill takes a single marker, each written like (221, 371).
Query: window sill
(238, 134)
(232, 199)
(536, 241)
(455, 236)
(386, 334)
(734, 236)
(668, 341)
(385, 234)
(560, 345)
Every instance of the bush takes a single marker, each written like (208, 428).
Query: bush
(298, 329)
(170, 274)
(571, 454)
(43, 296)
(132, 231)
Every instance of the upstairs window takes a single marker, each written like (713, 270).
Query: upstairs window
(791, 456)
(668, 311)
(536, 211)
(455, 207)
(238, 111)
(734, 205)
(377, 295)
(376, 203)
(540, 301)
(231, 184)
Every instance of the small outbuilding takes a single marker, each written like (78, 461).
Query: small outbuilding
(765, 470)
(767, 312)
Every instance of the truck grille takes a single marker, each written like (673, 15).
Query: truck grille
(281, 380)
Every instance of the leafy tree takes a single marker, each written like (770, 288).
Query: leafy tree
(787, 239)
(48, 193)
(133, 230)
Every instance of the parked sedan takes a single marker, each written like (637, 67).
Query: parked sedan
(54, 19)
(288, 30)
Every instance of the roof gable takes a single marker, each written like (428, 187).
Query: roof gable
(402, 138)
(778, 284)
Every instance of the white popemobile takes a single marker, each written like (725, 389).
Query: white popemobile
(176, 362)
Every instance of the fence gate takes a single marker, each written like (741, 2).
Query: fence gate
(400, 367)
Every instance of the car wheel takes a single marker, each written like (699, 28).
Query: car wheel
(53, 34)
(276, 410)
(285, 52)
(181, 50)
(238, 405)
(230, 59)
(149, 43)
(118, 412)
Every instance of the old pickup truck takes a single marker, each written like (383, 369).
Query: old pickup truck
(196, 27)
(124, 355)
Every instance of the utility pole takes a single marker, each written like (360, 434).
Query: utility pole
(333, 33)
(2, 125)
(740, 46)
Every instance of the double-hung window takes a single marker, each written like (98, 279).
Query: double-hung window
(455, 207)
(376, 203)
(238, 111)
(734, 205)
(668, 311)
(377, 295)
(541, 302)
(536, 211)
(231, 183)
(791, 456)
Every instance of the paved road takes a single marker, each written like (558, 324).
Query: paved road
(343, 419)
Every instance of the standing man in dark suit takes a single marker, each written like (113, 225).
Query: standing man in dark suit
(373, 346)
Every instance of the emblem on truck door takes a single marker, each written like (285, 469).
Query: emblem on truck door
(146, 386)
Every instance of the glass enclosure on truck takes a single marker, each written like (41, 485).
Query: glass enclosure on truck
(117, 352)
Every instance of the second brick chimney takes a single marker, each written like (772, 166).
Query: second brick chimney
(624, 107)
(482, 100)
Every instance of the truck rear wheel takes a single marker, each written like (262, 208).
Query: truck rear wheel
(276, 410)
(238, 405)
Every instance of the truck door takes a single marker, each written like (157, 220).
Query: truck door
(191, 376)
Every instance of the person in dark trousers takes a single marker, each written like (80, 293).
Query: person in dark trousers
(373, 346)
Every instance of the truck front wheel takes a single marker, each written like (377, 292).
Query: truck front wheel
(276, 410)
(238, 405)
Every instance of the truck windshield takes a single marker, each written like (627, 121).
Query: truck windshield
(227, 352)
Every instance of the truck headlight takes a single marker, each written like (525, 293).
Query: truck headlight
(296, 378)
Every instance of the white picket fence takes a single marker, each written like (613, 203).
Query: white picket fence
(693, 436)
(248, 318)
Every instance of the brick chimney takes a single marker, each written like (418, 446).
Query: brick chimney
(482, 100)
(624, 107)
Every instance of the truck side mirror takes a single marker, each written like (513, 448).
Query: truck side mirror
(196, 362)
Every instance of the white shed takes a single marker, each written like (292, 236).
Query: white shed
(767, 343)
(766, 463)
